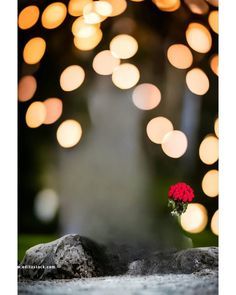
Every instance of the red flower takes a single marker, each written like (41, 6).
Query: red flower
(181, 192)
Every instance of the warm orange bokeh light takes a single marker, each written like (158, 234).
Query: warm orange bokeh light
(157, 128)
(213, 21)
(75, 7)
(54, 15)
(36, 114)
(34, 50)
(197, 81)
(180, 56)
(104, 63)
(97, 11)
(69, 133)
(198, 37)
(146, 96)
(103, 8)
(123, 46)
(83, 30)
(214, 2)
(197, 6)
(118, 6)
(26, 88)
(215, 223)
(167, 5)
(214, 64)
(125, 76)
(209, 150)
(194, 220)
(90, 42)
(72, 77)
(28, 17)
(174, 144)
(53, 110)
(210, 183)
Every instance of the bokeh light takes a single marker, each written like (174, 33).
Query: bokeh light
(26, 88)
(103, 8)
(214, 64)
(194, 220)
(123, 46)
(146, 96)
(118, 6)
(75, 7)
(28, 17)
(125, 76)
(197, 81)
(157, 128)
(167, 5)
(54, 15)
(83, 30)
(208, 150)
(53, 110)
(72, 78)
(174, 144)
(36, 114)
(180, 56)
(96, 11)
(198, 37)
(104, 63)
(215, 223)
(210, 183)
(87, 31)
(34, 50)
(197, 6)
(69, 133)
(90, 42)
(213, 20)
(147, 36)
(216, 127)
(213, 2)
(46, 205)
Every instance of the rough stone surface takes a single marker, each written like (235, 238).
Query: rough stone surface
(185, 261)
(171, 284)
(197, 259)
(73, 256)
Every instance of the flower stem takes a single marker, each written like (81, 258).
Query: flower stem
(177, 207)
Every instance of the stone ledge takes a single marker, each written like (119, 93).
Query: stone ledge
(73, 256)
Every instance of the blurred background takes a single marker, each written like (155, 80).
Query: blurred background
(117, 100)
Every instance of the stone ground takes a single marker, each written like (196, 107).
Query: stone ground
(171, 284)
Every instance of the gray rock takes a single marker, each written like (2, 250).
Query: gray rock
(73, 256)
(196, 259)
(181, 262)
